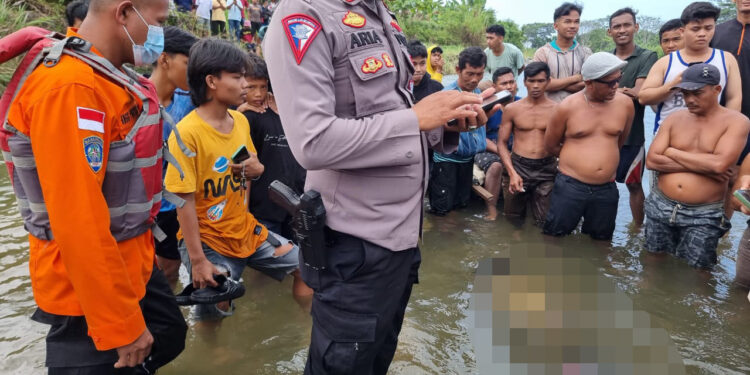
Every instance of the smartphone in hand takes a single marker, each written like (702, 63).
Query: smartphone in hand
(502, 97)
(240, 155)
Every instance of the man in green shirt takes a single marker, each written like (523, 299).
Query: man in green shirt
(501, 54)
(622, 29)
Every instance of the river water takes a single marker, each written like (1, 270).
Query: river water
(706, 316)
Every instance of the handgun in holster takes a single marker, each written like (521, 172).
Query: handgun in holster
(308, 221)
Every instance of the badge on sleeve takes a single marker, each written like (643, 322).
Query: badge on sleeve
(301, 30)
(90, 119)
(354, 20)
(93, 148)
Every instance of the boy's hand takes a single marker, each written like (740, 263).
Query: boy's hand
(203, 274)
(252, 167)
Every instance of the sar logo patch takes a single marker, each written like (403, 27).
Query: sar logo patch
(388, 61)
(300, 30)
(93, 148)
(354, 20)
(371, 65)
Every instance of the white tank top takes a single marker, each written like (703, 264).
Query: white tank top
(677, 65)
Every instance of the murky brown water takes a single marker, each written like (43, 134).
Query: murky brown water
(707, 318)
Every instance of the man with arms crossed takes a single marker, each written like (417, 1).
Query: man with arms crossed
(693, 154)
(530, 170)
(622, 29)
(587, 131)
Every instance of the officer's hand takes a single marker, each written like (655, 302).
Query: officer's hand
(437, 109)
(252, 167)
(135, 353)
(744, 184)
(203, 273)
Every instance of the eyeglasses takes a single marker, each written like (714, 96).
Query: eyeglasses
(611, 83)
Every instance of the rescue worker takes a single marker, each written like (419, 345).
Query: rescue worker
(91, 245)
(341, 73)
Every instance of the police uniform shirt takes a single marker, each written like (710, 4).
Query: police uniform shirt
(342, 74)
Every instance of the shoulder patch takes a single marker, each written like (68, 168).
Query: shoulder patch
(93, 148)
(395, 25)
(354, 20)
(90, 119)
(300, 30)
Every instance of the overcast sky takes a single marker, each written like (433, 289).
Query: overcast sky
(530, 11)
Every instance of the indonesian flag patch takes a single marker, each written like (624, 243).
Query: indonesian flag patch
(90, 119)
(300, 30)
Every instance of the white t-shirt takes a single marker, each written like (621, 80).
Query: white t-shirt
(203, 9)
(235, 10)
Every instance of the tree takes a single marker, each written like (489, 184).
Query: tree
(513, 33)
(728, 10)
(538, 34)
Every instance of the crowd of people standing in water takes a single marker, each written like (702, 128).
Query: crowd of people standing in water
(558, 153)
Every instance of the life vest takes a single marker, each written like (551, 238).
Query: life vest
(134, 162)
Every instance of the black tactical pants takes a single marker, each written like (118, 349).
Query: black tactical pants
(359, 305)
(71, 351)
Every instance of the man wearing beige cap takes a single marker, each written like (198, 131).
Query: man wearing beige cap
(587, 131)
(693, 152)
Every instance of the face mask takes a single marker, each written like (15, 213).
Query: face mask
(152, 48)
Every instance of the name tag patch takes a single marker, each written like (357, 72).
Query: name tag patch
(90, 119)
(93, 148)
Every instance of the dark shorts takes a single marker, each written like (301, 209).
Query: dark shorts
(255, 27)
(450, 186)
(168, 223)
(71, 351)
(687, 231)
(538, 180)
(484, 160)
(572, 200)
(218, 27)
(632, 164)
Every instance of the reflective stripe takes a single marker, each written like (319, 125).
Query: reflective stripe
(158, 233)
(23, 161)
(132, 208)
(7, 156)
(126, 166)
(39, 208)
(171, 160)
(170, 121)
(174, 199)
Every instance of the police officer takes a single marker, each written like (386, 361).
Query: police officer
(342, 73)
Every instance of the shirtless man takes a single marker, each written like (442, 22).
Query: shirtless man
(693, 153)
(489, 161)
(587, 130)
(530, 170)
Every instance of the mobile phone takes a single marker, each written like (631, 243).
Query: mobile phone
(240, 155)
(501, 97)
(743, 196)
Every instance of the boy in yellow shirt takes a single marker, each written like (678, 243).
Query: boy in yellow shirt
(217, 232)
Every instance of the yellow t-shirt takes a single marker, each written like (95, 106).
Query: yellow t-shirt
(224, 221)
(217, 14)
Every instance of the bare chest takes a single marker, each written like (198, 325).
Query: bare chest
(695, 138)
(595, 122)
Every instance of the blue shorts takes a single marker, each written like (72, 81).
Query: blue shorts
(262, 259)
